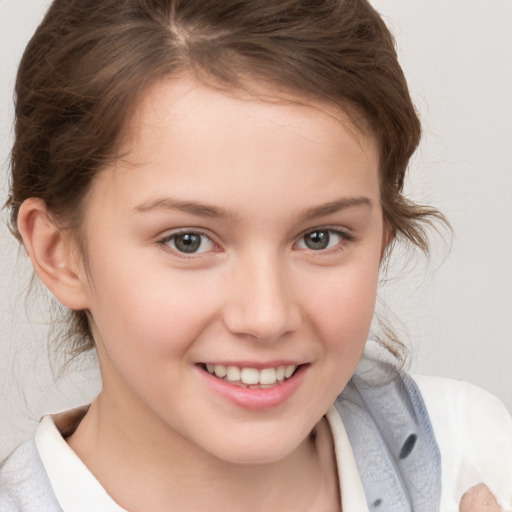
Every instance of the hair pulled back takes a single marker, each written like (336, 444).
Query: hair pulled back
(87, 64)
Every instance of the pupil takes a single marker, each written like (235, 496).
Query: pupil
(317, 240)
(188, 242)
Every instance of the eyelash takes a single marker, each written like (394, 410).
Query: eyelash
(344, 237)
(165, 242)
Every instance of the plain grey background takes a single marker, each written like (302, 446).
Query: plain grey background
(454, 312)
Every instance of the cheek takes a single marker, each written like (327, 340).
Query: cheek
(146, 314)
(342, 309)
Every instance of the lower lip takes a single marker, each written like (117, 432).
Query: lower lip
(254, 398)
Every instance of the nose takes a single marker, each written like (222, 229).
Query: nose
(263, 304)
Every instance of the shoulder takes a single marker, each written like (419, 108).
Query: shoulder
(473, 430)
(461, 398)
(467, 410)
(24, 485)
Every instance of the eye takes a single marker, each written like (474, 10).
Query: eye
(189, 242)
(321, 239)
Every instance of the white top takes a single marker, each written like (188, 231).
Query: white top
(472, 427)
(473, 430)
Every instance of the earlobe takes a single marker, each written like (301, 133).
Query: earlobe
(51, 254)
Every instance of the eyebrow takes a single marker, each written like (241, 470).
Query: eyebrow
(336, 206)
(191, 207)
(215, 212)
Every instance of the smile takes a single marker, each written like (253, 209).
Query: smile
(251, 377)
(263, 387)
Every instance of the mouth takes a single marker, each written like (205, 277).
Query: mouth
(250, 377)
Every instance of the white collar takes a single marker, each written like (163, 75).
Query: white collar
(78, 490)
(74, 486)
(352, 494)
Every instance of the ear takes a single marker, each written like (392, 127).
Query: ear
(52, 255)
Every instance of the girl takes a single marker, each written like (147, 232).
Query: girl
(211, 189)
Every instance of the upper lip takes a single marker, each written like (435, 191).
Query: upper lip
(254, 364)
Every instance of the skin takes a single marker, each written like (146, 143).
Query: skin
(157, 437)
(255, 292)
(479, 499)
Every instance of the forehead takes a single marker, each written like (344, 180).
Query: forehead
(188, 103)
(202, 142)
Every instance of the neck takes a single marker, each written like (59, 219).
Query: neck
(144, 465)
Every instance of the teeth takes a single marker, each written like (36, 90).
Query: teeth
(249, 376)
(288, 371)
(220, 370)
(252, 376)
(233, 373)
(267, 376)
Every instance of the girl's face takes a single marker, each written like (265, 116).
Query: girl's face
(235, 235)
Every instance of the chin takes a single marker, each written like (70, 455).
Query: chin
(257, 449)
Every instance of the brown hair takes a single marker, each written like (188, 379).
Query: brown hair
(87, 64)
